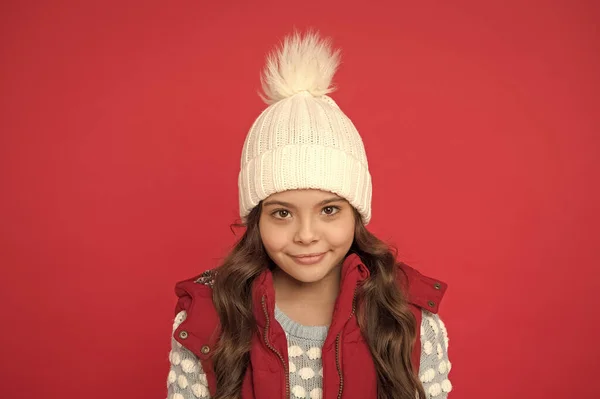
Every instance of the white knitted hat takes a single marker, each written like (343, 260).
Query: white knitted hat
(303, 140)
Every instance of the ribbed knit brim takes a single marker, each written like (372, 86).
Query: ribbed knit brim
(305, 166)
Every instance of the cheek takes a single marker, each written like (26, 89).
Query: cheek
(274, 239)
(341, 234)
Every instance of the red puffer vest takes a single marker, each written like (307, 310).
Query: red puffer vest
(348, 369)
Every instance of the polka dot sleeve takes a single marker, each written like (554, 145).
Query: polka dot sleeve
(186, 380)
(435, 365)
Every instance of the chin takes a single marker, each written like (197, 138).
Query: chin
(308, 277)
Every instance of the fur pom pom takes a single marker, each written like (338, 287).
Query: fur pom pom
(301, 64)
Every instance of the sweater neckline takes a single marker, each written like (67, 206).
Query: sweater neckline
(293, 328)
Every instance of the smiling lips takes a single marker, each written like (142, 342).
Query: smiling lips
(309, 259)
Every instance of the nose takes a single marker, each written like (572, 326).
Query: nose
(306, 233)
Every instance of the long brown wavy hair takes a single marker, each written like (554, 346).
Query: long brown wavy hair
(383, 315)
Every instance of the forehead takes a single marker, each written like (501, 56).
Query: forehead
(301, 197)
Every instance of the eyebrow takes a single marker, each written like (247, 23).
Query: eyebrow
(288, 205)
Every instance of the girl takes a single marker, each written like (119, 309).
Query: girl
(309, 304)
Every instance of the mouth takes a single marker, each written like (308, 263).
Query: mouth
(308, 259)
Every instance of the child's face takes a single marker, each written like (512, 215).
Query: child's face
(302, 222)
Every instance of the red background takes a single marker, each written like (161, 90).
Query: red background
(121, 132)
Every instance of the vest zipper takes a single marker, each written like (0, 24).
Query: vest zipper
(337, 349)
(265, 335)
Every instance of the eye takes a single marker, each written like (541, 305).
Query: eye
(281, 214)
(331, 210)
